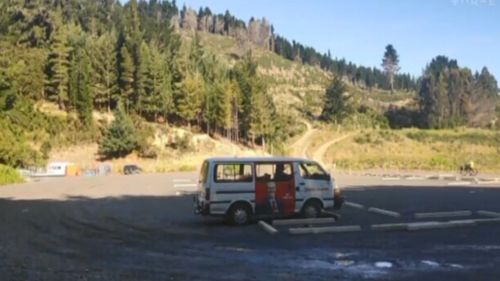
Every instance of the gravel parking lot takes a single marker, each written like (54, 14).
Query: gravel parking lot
(142, 227)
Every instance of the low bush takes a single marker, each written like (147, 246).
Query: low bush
(181, 142)
(9, 175)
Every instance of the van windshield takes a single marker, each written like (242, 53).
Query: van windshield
(311, 170)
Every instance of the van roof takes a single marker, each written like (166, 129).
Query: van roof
(257, 159)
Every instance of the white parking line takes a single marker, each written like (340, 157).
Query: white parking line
(414, 178)
(181, 180)
(303, 221)
(439, 225)
(486, 182)
(183, 192)
(389, 226)
(488, 213)
(354, 205)
(459, 183)
(267, 228)
(487, 220)
(391, 178)
(461, 213)
(384, 212)
(327, 229)
(177, 185)
(425, 225)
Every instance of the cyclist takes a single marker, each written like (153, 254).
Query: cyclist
(468, 169)
(469, 166)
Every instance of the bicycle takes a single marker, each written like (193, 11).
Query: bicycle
(468, 171)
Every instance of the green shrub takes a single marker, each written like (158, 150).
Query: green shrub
(9, 175)
(120, 139)
(145, 133)
(181, 142)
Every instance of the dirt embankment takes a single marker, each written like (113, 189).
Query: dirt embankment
(199, 147)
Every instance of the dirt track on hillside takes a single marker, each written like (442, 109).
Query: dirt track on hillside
(299, 147)
(321, 151)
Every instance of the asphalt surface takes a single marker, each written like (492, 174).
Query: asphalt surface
(142, 228)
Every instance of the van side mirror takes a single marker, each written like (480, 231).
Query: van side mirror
(328, 176)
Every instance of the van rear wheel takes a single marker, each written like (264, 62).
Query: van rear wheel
(311, 209)
(239, 214)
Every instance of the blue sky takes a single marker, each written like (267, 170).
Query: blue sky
(359, 30)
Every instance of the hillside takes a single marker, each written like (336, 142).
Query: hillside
(295, 85)
(184, 85)
(292, 85)
(177, 148)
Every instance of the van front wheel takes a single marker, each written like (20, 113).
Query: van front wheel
(311, 210)
(239, 214)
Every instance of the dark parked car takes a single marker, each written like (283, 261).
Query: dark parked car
(131, 169)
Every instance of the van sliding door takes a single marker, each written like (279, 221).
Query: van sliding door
(274, 188)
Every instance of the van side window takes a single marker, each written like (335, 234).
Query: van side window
(233, 172)
(273, 171)
(312, 171)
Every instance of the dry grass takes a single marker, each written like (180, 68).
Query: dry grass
(418, 149)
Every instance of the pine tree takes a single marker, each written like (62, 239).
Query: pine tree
(262, 105)
(103, 58)
(483, 100)
(390, 64)
(134, 44)
(487, 83)
(245, 73)
(58, 63)
(336, 103)
(145, 85)
(79, 86)
(196, 55)
(157, 95)
(25, 67)
(120, 138)
(126, 68)
(230, 113)
(173, 74)
(450, 96)
(215, 106)
(192, 90)
(163, 84)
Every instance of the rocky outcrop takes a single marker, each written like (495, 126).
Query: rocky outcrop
(258, 32)
(189, 19)
(175, 22)
(218, 24)
(206, 23)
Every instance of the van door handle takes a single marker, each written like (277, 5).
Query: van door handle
(302, 183)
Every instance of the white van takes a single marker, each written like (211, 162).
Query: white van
(58, 168)
(243, 188)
